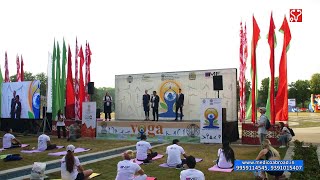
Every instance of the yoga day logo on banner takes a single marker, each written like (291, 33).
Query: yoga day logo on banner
(168, 94)
(211, 118)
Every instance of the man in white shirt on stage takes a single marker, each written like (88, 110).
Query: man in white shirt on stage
(174, 152)
(142, 150)
(191, 173)
(44, 143)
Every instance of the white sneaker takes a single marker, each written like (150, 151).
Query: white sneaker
(282, 146)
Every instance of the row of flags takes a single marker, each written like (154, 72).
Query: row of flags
(277, 108)
(68, 93)
(20, 72)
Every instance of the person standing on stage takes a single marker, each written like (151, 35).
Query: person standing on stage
(107, 106)
(146, 104)
(13, 106)
(18, 107)
(61, 124)
(155, 106)
(179, 104)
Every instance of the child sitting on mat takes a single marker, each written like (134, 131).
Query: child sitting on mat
(191, 172)
(142, 150)
(225, 156)
(127, 169)
(9, 141)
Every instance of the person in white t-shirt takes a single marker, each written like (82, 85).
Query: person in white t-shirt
(225, 156)
(285, 135)
(174, 151)
(142, 150)
(71, 168)
(262, 131)
(9, 141)
(44, 143)
(127, 169)
(61, 125)
(191, 173)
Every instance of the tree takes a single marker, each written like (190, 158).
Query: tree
(264, 90)
(42, 77)
(315, 83)
(300, 90)
(28, 76)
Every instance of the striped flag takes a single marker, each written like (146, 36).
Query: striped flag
(76, 86)
(6, 69)
(18, 69)
(81, 94)
(88, 62)
(241, 89)
(22, 73)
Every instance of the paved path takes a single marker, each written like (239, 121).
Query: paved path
(54, 166)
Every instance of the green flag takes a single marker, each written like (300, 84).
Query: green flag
(1, 81)
(54, 110)
(63, 75)
(58, 88)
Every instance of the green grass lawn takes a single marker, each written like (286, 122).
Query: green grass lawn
(28, 159)
(208, 152)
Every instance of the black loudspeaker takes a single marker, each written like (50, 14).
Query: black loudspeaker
(217, 83)
(91, 88)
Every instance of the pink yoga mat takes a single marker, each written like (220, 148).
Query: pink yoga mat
(159, 156)
(77, 150)
(216, 168)
(151, 178)
(37, 151)
(22, 145)
(166, 165)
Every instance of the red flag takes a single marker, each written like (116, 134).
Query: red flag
(282, 95)
(81, 83)
(6, 76)
(70, 100)
(271, 41)
(18, 69)
(255, 38)
(76, 86)
(22, 73)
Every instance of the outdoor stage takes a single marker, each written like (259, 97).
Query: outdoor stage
(156, 131)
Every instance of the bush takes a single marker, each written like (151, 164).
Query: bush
(310, 160)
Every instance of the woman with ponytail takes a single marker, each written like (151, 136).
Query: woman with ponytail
(225, 156)
(71, 168)
(270, 153)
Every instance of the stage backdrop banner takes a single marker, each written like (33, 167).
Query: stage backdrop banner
(210, 120)
(195, 85)
(29, 95)
(292, 105)
(89, 120)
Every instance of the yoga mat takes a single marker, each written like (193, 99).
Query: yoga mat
(166, 165)
(77, 150)
(93, 175)
(37, 151)
(24, 145)
(136, 161)
(151, 178)
(159, 156)
(216, 168)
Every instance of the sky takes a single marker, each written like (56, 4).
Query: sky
(146, 36)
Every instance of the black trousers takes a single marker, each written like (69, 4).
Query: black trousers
(64, 131)
(51, 146)
(181, 113)
(149, 157)
(155, 113)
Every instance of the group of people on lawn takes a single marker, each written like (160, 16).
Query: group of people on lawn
(128, 169)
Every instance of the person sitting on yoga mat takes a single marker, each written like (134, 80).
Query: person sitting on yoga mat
(270, 153)
(174, 151)
(142, 150)
(191, 172)
(9, 141)
(71, 168)
(225, 156)
(44, 143)
(127, 169)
